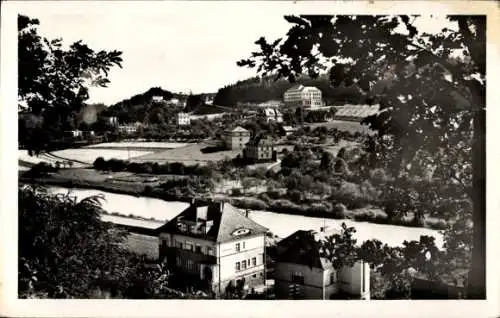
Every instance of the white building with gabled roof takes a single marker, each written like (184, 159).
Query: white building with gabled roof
(236, 138)
(302, 272)
(215, 244)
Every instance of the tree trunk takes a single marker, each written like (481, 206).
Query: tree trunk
(476, 288)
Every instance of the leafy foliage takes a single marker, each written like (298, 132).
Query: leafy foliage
(431, 91)
(65, 251)
(54, 81)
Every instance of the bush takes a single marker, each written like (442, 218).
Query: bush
(339, 211)
(250, 203)
(264, 197)
(295, 195)
(100, 164)
(41, 169)
(436, 224)
(236, 191)
(273, 194)
(285, 206)
(319, 208)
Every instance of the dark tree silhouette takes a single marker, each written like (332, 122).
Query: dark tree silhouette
(431, 91)
(54, 82)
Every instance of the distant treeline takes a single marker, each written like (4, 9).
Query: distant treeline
(258, 90)
(174, 168)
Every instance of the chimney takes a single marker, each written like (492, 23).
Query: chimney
(193, 201)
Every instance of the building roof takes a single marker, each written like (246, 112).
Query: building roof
(258, 139)
(226, 221)
(272, 112)
(302, 247)
(289, 128)
(297, 87)
(237, 129)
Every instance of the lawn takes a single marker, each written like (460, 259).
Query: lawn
(88, 155)
(189, 155)
(138, 145)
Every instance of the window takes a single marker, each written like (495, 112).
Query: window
(237, 247)
(254, 276)
(248, 262)
(210, 251)
(363, 279)
(190, 264)
(189, 246)
(244, 265)
(178, 261)
(298, 278)
(237, 266)
(243, 245)
(198, 248)
(178, 244)
(254, 261)
(333, 277)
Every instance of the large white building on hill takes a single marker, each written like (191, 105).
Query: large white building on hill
(303, 96)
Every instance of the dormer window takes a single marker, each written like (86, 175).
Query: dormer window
(182, 227)
(240, 232)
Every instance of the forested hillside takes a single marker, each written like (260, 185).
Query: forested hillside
(257, 90)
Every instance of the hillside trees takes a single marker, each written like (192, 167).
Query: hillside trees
(258, 90)
(435, 105)
(54, 82)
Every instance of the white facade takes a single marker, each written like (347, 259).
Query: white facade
(304, 96)
(157, 99)
(234, 260)
(129, 128)
(273, 115)
(183, 119)
(242, 258)
(305, 282)
(75, 133)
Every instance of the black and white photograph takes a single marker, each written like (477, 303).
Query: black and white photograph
(181, 150)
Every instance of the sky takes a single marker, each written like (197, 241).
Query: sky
(179, 45)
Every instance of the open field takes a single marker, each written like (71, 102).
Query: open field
(189, 155)
(138, 145)
(350, 126)
(80, 157)
(89, 155)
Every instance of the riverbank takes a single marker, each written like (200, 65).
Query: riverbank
(279, 224)
(92, 180)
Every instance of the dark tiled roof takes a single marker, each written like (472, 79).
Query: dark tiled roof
(302, 248)
(255, 141)
(226, 220)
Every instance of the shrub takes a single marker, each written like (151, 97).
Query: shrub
(285, 206)
(250, 203)
(236, 191)
(339, 211)
(264, 197)
(436, 224)
(100, 163)
(273, 194)
(319, 208)
(295, 195)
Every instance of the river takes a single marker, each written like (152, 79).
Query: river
(279, 224)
